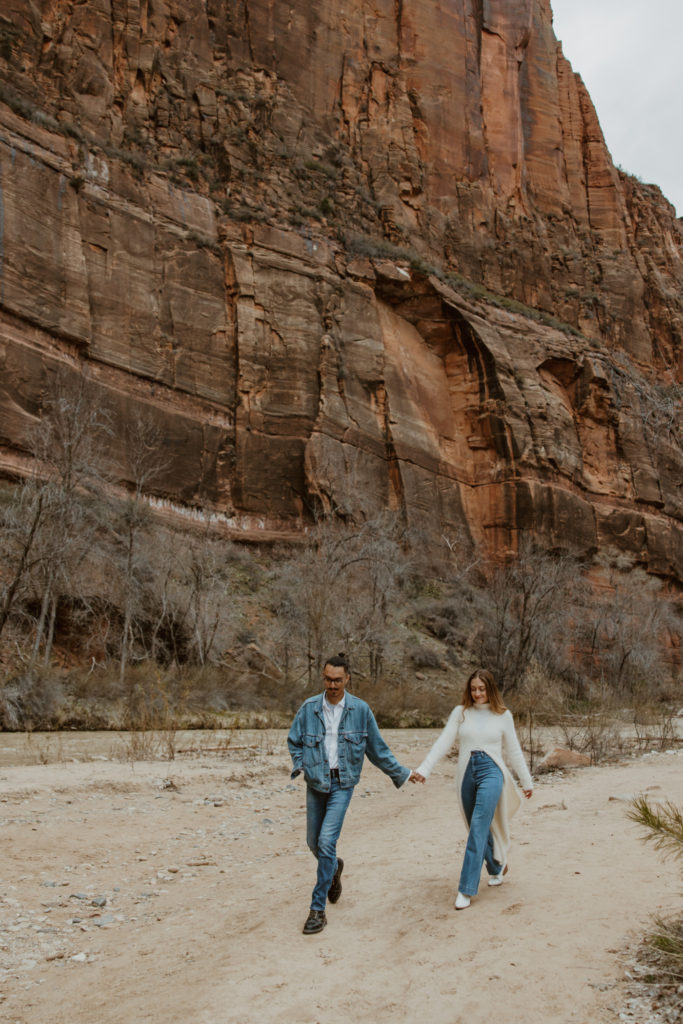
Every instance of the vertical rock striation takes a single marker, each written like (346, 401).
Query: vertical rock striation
(348, 255)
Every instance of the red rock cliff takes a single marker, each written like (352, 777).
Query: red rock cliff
(360, 255)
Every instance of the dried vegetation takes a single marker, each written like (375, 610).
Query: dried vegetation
(110, 619)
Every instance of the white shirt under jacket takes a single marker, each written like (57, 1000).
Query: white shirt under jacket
(332, 714)
(479, 728)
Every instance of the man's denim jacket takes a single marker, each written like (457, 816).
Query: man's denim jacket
(358, 735)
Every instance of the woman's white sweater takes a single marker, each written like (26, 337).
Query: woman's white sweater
(479, 728)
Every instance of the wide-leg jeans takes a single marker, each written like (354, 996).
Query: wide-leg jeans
(482, 785)
(324, 819)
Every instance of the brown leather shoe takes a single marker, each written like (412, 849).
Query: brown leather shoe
(336, 887)
(315, 922)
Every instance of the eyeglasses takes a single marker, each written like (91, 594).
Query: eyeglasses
(326, 679)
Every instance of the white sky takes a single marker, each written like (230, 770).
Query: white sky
(630, 56)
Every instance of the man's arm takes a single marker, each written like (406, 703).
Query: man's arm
(378, 752)
(296, 745)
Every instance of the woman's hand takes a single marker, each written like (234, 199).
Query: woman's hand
(528, 793)
(416, 777)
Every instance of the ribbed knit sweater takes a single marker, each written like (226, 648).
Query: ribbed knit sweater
(479, 728)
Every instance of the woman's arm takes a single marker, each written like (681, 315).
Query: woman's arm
(443, 744)
(513, 754)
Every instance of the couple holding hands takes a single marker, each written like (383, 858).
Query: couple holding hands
(334, 731)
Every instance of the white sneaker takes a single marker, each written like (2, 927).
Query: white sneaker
(498, 879)
(461, 901)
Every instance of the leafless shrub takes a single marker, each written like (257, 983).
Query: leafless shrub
(621, 634)
(601, 736)
(139, 745)
(32, 700)
(46, 749)
(655, 728)
(398, 703)
(217, 741)
(658, 400)
(593, 727)
(537, 702)
(424, 657)
(151, 717)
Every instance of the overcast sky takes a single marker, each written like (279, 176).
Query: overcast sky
(630, 56)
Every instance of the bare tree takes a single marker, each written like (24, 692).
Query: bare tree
(624, 631)
(206, 608)
(21, 520)
(526, 610)
(340, 589)
(50, 523)
(131, 530)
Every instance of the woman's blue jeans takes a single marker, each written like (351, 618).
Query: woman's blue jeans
(481, 789)
(324, 819)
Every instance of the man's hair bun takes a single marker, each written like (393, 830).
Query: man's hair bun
(339, 661)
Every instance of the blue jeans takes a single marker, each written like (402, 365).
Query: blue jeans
(481, 788)
(324, 819)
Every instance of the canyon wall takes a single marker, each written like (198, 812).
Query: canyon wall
(345, 256)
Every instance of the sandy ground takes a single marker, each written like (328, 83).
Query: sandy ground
(203, 866)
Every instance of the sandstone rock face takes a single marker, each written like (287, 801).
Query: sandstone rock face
(345, 256)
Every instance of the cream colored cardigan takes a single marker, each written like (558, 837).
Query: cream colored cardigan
(479, 728)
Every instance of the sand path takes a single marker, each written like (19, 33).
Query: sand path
(207, 880)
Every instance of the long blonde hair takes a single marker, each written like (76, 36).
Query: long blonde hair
(492, 692)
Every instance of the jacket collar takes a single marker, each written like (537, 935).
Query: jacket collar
(350, 702)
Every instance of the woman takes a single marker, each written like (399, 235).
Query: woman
(488, 794)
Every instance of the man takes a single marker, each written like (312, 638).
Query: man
(330, 736)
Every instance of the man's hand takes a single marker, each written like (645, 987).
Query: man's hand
(416, 777)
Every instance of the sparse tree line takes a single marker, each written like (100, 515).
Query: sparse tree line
(109, 617)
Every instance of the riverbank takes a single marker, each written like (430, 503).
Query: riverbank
(175, 891)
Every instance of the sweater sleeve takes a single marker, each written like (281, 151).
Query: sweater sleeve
(443, 743)
(513, 754)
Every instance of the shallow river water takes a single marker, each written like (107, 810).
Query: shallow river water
(22, 748)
